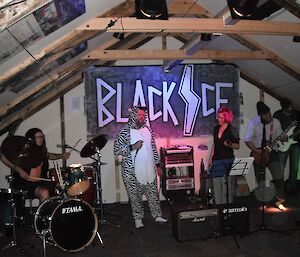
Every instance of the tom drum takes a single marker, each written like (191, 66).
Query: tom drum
(76, 180)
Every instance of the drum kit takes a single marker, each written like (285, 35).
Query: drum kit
(70, 219)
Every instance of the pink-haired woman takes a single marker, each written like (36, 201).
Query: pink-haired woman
(226, 139)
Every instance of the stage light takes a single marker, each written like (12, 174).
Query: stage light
(119, 35)
(242, 9)
(206, 36)
(296, 39)
(151, 9)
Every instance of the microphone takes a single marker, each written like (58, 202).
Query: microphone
(137, 150)
(63, 146)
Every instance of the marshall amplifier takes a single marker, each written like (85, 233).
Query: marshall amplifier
(236, 220)
(194, 224)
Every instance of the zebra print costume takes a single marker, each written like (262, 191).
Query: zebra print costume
(135, 190)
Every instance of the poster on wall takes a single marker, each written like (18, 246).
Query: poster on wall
(181, 103)
(19, 35)
(68, 10)
(26, 30)
(47, 18)
(38, 24)
(58, 13)
(8, 46)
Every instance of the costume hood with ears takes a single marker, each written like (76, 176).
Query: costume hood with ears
(132, 116)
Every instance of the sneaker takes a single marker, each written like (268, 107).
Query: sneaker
(280, 205)
(160, 219)
(138, 224)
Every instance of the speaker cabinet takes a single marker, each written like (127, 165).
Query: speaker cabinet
(194, 224)
(236, 220)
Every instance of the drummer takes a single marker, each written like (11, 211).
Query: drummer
(37, 136)
(34, 165)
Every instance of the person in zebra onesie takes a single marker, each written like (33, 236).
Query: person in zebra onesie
(135, 143)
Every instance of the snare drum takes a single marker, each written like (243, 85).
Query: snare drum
(70, 224)
(76, 180)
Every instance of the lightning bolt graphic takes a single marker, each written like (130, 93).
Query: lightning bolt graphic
(191, 99)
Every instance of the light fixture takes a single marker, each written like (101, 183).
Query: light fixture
(296, 39)
(119, 35)
(242, 9)
(206, 36)
(151, 9)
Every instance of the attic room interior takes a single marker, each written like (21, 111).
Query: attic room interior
(149, 128)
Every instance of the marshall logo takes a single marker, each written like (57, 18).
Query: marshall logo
(71, 209)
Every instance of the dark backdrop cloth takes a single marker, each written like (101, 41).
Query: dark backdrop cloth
(103, 84)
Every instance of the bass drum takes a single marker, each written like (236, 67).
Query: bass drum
(70, 224)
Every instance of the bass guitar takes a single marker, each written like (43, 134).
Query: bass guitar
(276, 145)
(259, 159)
(291, 134)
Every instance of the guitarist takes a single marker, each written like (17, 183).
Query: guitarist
(261, 130)
(287, 115)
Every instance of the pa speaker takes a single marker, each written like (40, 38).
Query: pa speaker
(234, 217)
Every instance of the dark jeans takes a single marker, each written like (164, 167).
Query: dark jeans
(276, 168)
(293, 153)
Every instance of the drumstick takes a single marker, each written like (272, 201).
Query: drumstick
(59, 176)
(72, 148)
(37, 178)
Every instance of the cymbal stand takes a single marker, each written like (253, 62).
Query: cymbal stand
(98, 200)
(44, 243)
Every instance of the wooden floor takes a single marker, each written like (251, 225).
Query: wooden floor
(158, 240)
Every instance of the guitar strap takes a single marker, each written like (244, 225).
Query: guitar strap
(271, 131)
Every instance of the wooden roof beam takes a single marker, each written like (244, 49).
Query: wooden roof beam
(40, 102)
(186, 25)
(70, 39)
(275, 59)
(126, 8)
(253, 45)
(292, 6)
(159, 54)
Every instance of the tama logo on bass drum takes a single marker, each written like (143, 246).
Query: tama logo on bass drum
(71, 209)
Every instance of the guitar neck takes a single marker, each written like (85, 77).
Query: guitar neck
(289, 133)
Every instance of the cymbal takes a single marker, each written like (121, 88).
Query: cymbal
(21, 151)
(91, 147)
